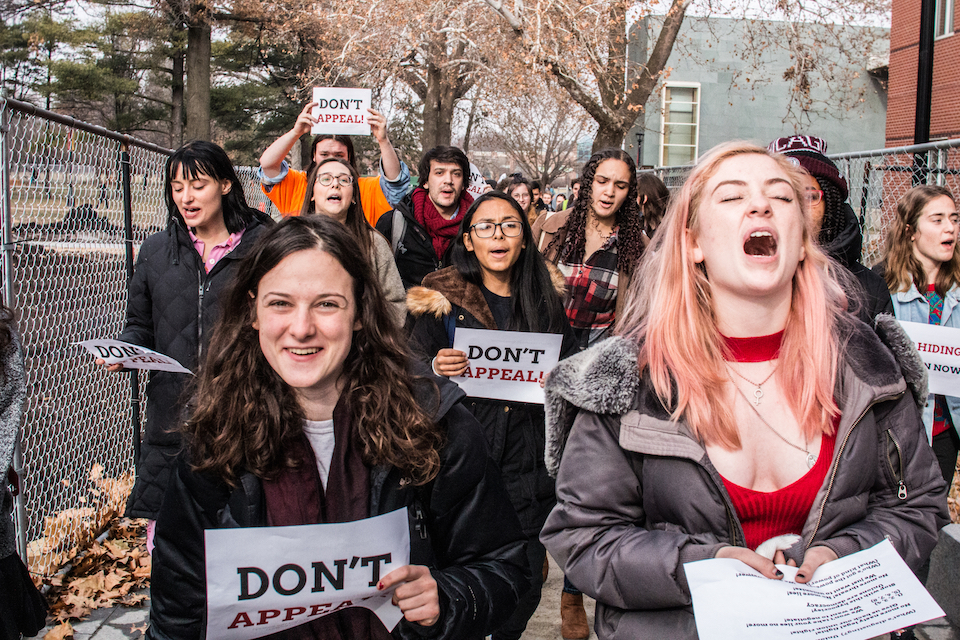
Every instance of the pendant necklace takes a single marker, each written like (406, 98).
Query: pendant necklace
(758, 392)
(811, 459)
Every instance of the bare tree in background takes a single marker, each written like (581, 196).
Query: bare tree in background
(539, 131)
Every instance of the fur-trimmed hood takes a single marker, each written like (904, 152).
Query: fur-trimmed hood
(605, 378)
(445, 288)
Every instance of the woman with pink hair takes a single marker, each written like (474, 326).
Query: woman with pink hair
(740, 412)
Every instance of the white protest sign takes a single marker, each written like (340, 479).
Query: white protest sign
(132, 356)
(506, 365)
(476, 185)
(939, 348)
(261, 580)
(342, 111)
(860, 596)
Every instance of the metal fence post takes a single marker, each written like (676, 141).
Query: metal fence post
(128, 252)
(19, 508)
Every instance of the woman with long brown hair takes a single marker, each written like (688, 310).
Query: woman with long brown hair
(307, 411)
(922, 270)
(740, 412)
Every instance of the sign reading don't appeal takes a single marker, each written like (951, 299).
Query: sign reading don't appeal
(506, 365)
(342, 111)
(261, 580)
(939, 348)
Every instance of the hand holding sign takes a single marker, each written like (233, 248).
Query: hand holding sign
(450, 362)
(118, 355)
(417, 594)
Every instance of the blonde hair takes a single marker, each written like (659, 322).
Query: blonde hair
(669, 312)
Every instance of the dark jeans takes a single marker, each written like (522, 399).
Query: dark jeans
(513, 628)
(945, 446)
(569, 588)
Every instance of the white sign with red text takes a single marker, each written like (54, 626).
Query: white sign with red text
(476, 185)
(939, 348)
(261, 580)
(341, 111)
(132, 356)
(506, 365)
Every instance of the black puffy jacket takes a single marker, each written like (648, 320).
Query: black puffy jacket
(172, 307)
(473, 543)
(514, 430)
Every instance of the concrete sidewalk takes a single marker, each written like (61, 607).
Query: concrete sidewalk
(126, 622)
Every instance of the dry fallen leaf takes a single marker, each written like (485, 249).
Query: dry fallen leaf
(60, 632)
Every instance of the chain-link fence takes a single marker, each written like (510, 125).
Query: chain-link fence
(77, 202)
(877, 180)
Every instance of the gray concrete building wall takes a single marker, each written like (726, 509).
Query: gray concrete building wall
(739, 102)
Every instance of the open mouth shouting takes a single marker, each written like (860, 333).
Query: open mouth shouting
(760, 243)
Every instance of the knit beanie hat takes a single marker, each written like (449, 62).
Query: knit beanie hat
(809, 152)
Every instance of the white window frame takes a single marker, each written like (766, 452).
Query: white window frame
(944, 29)
(663, 116)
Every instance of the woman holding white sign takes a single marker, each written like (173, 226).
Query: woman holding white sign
(922, 269)
(498, 281)
(740, 412)
(308, 411)
(332, 191)
(174, 297)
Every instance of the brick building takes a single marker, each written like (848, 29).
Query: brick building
(902, 89)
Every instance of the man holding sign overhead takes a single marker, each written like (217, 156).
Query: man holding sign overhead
(343, 113)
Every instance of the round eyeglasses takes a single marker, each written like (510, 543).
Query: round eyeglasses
(813, 196)
(509, 228)
(326, 179)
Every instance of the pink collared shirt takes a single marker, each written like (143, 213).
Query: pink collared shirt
(218, 251)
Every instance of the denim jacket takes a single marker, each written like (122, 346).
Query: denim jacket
(912, 306)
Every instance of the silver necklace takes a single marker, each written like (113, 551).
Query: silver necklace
(758, 392)
(811, 459)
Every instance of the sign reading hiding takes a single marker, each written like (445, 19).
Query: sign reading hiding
(939, 349)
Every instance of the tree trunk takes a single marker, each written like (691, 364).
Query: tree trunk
(176, 98)
(198, 75)
(437, 111)
(609, 136)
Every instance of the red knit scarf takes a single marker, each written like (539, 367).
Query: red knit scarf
(442, 231)
(297, 496)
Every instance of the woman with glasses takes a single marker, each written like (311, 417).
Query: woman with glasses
(332, 191)
(835, 225)
(497, 280)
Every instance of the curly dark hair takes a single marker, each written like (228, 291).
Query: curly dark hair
(246, 416)
(630, 242)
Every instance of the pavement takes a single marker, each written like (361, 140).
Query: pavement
(120, 622)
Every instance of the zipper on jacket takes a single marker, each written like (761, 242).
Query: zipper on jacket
(839, 453)
(200, 318)
(897, 474)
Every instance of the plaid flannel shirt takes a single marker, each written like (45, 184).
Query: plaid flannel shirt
(592, 288)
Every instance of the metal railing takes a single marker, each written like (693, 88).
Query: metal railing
(77, 202)
(877, 180)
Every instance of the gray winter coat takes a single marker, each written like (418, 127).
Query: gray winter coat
(12, 394)
(637, 496)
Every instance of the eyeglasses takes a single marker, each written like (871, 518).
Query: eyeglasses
(326, 179)
(813, 196)
(510, 228)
